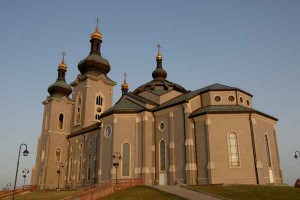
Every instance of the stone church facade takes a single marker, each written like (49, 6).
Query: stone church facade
(164, 133)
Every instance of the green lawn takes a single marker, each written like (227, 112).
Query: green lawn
(45, 195)
(141, 193)
(251, 192)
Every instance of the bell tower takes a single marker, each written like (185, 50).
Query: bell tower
(52, 143)
(92, 89)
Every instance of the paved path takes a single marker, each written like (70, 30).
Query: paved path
(185, 193)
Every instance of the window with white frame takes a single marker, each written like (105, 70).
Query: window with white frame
(98, 110)
(70, 169)
(89, 172)
(126, 159)
(57, 154)
(269, 163)
(162, 155)
(234, 159)
(43, 154)
(79, 169)
(61, 121)
(78, 106)
(46, 121)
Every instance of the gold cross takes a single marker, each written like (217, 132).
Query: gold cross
(158, 48)
(125, 76)
(63, 53)
(97, 20)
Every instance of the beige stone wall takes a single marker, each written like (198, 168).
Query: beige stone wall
(106, 150)
(52, 137)
(217, 129)
(173, 135)
(89, 88)
(208, 98)
(90, 146)
(261, 127)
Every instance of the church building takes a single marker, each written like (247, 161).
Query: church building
(159, 132)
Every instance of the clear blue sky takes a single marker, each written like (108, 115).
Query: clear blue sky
(254, 45)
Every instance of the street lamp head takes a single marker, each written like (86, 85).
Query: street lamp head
(25, 152)
(295, 156)
(120, 157)
(113, 156)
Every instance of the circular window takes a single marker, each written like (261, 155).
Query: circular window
(99, 109)
(217, 98)
(231, 98)
(248, 102)
(241, 100)
(107, 131)
(162, 126)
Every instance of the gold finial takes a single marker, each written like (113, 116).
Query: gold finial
(125, 85)
(96, 34)
(62, 65)
(159, 56)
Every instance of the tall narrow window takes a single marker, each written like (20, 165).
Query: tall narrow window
(57, 154)
(234, 159)
(43, 154)
(46, 121)
(78, 109)
(70, 169)
(125, 160)
(89, 172)
(268, 151)
(61, 121)
(162, 155)
(98, 107)
(79, 169)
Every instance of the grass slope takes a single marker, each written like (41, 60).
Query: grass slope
(251, 192)
(45, 195)
(141, 193)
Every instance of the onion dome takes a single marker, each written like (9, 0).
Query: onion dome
(159, 72)
(124, 86)
(94, 63)
(60, 88)
(159, 85)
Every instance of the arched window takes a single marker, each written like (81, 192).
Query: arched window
(162, 155)
(57, 154)
(43, 154)
(126, 159)
(89, 168)
(79, 169)
(46, 121)
(78, 109)
(268, 151)
(234, 159)
(61, 121)
(98, 106)
(70, 169)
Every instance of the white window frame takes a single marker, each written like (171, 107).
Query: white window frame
(238, 150)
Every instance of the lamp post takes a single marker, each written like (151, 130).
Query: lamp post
(8, 185)
(25, 172)
(297, 156)
(61, 165)
(116, 158)
(25, 153)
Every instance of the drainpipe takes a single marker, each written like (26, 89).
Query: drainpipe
(184, 127)
(253, 148)
(195, 149)
(154, 131)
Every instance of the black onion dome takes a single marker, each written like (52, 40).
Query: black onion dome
(59, 88)
(159, 73)
(94, 62)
